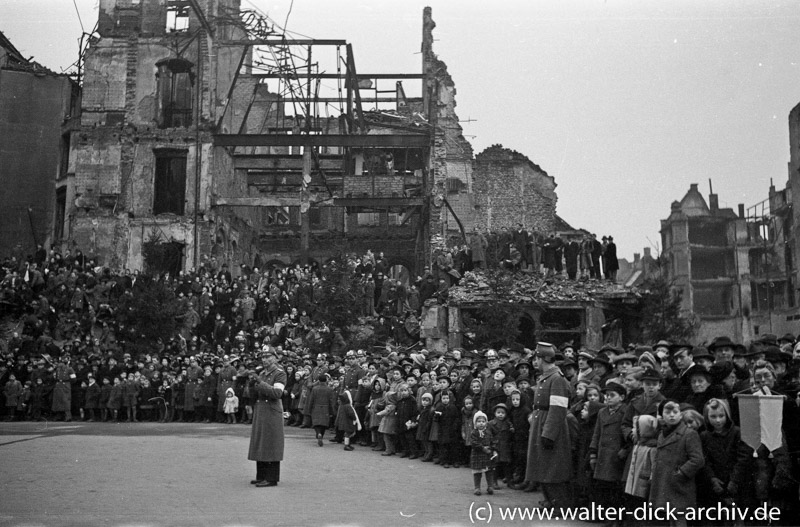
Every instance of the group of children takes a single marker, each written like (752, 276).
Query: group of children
(429, 423)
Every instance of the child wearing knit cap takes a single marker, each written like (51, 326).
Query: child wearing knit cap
(483, 449)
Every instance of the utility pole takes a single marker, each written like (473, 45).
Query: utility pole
(305, 204)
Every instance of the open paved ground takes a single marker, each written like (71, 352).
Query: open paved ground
(93, 474)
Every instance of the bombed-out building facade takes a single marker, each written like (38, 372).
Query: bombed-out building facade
(205, 133)
(735, 270)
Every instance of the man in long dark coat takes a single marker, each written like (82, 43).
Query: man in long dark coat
(266, 436)
(62, 391)
(549, 446)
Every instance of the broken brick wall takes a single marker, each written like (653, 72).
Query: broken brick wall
(510, 189)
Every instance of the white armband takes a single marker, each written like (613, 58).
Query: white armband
(278, 386)
(559, 400)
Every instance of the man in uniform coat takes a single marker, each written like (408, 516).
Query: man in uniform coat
(62, 391)
(549, 446)
(266, 436)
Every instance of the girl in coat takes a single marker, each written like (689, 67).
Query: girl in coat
(231, 405)
(679, 457)
(645, 439)
(377, 403)
(720, 443)
(319, 406)
(347, 420)
(389, 426)
(467, 424)
(481, 453)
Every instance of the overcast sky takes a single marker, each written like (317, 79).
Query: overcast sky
(625, 103)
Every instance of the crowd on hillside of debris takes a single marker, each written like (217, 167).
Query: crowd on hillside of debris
(613, 427)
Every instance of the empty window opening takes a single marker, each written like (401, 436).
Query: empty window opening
(169, 193)
(175, 88)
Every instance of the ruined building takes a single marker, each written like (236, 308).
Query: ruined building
(735, 270)
(206, 132)
(37, 107)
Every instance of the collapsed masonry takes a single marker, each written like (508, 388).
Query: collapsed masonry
(204, 130)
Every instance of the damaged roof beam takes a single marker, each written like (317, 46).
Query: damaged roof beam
(360, 76)
(378, 141)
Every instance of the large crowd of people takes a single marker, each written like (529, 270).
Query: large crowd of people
(615, 426)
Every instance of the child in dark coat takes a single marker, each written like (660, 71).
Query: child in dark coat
(502, 432)
(360, 402)
(518, 417)
(319, 406)
(467, 425)
(482, 451)
(424, 421)
(347, 420)
(449, 418)
(607, 450)
(406, 410)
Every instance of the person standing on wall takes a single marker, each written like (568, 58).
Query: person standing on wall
(266, 436)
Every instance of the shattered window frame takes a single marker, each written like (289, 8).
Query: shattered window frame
(175, 92)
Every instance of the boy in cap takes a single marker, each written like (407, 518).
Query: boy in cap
(607, 451)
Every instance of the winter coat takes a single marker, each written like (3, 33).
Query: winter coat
(230, 404)
(502, 432)
(478, 245)
(518, 417)
(720, 451)
(13, 392)
(377, 402)
(115, 397)
(92, 399)
(62, 391)
(105, 393)
(188, 395)
(449, 418)
(609, 445)
(406, 410)
(320, 405)
(389, 424)
(549, 419)
(346, 419)
(266, 436)
(424, 422)
(679, 458)
(467, 425)
(640, 469)
(479, 458)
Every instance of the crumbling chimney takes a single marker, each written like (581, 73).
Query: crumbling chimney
(713, 202)
(741, 210)
(636, 258)
(647, 252)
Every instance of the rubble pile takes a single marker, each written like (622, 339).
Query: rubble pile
(477, 286)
